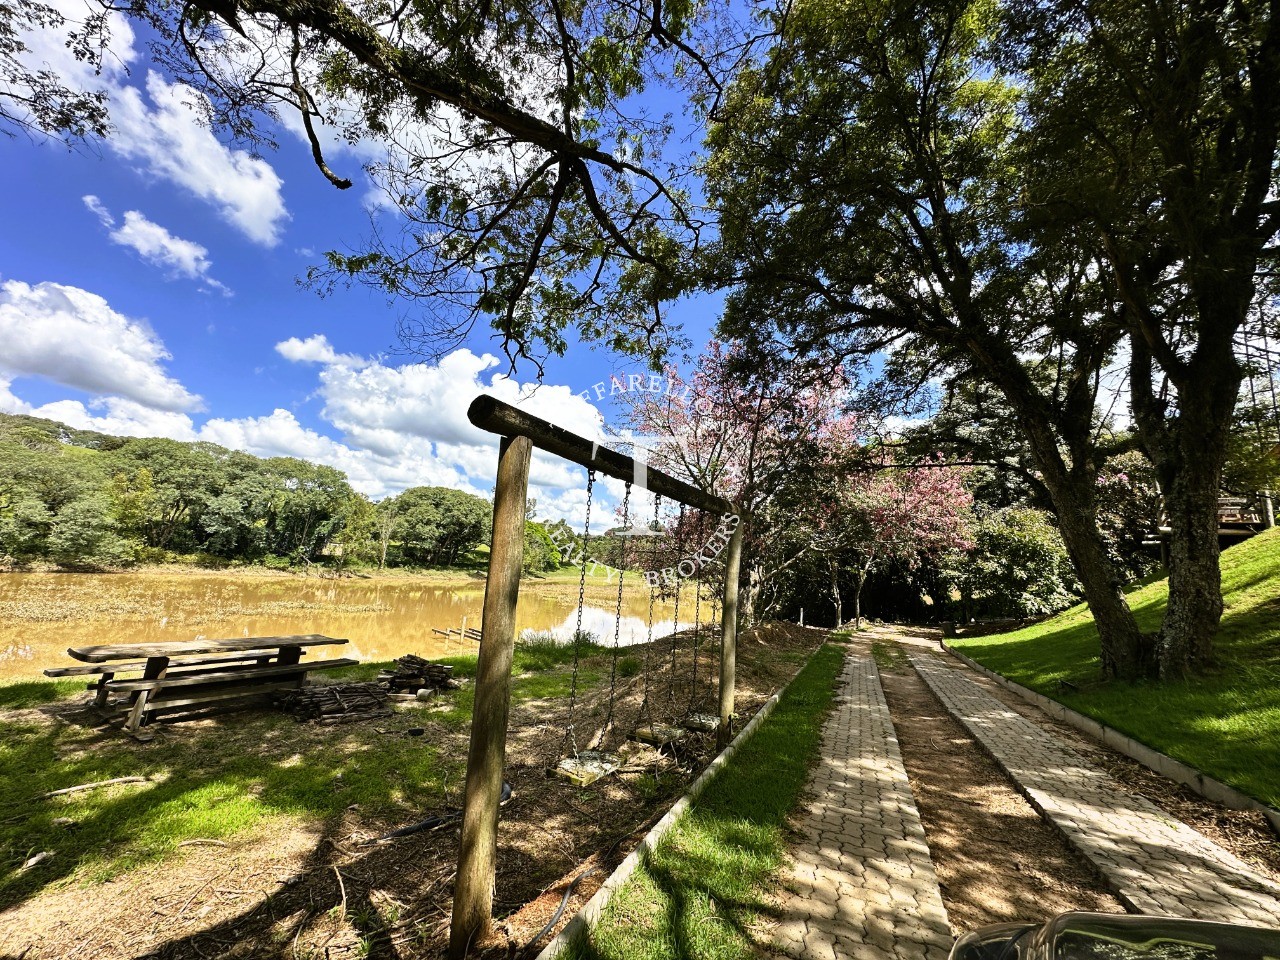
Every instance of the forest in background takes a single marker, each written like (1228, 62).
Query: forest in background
(82, 500)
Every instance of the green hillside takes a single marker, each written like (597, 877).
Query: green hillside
(1225, 722)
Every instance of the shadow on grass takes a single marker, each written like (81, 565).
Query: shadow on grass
(209, 781)
(218, 779)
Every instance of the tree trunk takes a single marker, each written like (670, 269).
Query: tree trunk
(1127, 653)
(835, 592)
(751, 596)
(1195, 578)
(1189, 463)
(859, 578)
(1189, 451)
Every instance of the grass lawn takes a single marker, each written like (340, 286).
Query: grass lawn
(215, 782)
(1225, 722)
(700, 892)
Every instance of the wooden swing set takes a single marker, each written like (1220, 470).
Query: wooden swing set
(520, 433)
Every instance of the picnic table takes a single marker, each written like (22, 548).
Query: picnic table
(190, 674)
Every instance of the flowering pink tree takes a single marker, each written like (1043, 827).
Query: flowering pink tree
(750, 437)
(890, 512)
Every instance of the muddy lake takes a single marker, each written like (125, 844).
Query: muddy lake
(42, 614)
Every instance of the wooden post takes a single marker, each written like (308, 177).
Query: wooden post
(473, 888)
(729, 628)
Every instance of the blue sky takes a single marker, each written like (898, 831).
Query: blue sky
(148, 287)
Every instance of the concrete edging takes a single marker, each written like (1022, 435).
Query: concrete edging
(593, 908)
(1161, 763)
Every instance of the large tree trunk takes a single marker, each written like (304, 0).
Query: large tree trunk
(1127, 654)
(1189, 451)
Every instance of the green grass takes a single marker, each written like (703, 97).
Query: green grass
(711, 878)
(890, 656)
(210, 782)
(240, 774)
(1225, 722)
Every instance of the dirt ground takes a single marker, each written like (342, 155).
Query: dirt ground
(326, 890)
(997, 859)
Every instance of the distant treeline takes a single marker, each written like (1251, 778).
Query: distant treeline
(80, 499)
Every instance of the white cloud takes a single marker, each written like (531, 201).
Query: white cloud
(165, 130)
(74, 338)
(315, 349)
(410, 422)
(157, 246)
(119, 417)
(175, 143)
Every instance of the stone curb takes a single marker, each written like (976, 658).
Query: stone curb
(1161, 763)
(593, 908)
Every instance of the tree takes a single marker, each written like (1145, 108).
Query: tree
(1017, 566)
(1153, 130)
(24, 530)
(869, 181)
(83, 533)
(531, 190)
(870, 517)
(38, 100)
(439, 525)
(748, 435)
(541, 554)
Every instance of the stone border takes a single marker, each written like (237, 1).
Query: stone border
(593, 908)
(1161, 763)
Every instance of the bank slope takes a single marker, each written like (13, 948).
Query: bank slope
(1225, 722)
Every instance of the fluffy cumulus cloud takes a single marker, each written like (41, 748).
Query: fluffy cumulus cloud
(74, 338)
(409, 425)
(169, 137)
(157, 246)
(315, 349)
(163, 129)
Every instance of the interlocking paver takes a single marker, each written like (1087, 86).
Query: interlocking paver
(864, 886)
(1154, 863)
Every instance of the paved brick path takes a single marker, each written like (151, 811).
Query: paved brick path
(864, 885)
(1154, 863)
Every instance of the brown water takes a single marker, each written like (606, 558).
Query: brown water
(42, 614)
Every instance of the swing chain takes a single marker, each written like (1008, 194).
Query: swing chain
(675, 626)
(697, 611)
(648, 647)
(577, 632)
(617, 618)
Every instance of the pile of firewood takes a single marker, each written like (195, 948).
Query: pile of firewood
(336, 702)
(413, 674)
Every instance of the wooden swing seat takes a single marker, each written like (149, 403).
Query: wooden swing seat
(587, 767)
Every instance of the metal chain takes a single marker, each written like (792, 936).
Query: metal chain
(617, 617)
(675, 626)
(577, 631)
(697, 609)
(653, 591)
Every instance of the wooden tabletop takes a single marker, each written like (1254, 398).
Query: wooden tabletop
(103, 654)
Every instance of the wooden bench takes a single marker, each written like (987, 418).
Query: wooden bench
(106, 672)
(195, 688)
(193, 673)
